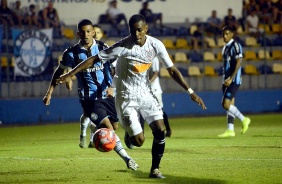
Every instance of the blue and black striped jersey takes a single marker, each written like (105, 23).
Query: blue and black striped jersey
(230, 53)
(92, 82)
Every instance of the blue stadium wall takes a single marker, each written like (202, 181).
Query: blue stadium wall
(33, 112)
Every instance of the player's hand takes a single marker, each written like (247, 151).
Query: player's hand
(46, 99)
(227, 82)
(110, 92)
(198, 100)
(63, 78)
(69, 85)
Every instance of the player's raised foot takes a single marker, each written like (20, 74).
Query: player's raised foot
(90, 145)
(127, 141)
(131, 164)
(245, 125)
(156, 173)
(227, 133)
(82, 142)
(168, 133)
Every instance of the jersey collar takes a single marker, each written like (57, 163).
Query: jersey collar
(94, 43)
(230, 41)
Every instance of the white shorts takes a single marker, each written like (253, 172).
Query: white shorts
(129, 112)
(160, 99)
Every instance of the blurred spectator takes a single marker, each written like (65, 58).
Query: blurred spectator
(230, 20)
(99, 33)
(115, 16)
(51, 17)
(31, 18)
(251, 5)
(266, 11)
(214, 24)
(40, 18)
(277, 12)
(252, 24)
(6, 14)
(197, 37)
(150, 16)
(18, 13)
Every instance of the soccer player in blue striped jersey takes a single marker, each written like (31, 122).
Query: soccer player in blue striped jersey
(94, 85)
(232, 57)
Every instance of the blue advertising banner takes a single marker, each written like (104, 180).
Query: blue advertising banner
(32, 51)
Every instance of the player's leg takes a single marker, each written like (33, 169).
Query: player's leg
(166, 122)
(158, 147)
(93, 129)
(167, 126)
(228, 104)
(131, 164)
(84, 123)
(108, 118)
(153, 115)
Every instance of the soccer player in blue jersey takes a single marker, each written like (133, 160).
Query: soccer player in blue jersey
(232, 56)
(94, 84)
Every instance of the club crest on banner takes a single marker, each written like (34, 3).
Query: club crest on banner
(32, 51)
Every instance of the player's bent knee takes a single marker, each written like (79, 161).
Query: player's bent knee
(138, 140)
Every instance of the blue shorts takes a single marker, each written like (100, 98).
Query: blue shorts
(98, 110)
(230, 91)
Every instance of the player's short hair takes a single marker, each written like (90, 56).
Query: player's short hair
(83, 22)
(96, 25)
(227, 28)
(136, 18)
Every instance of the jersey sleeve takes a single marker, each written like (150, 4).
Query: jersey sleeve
(109, 54)
(238, 50)
(67, 60)
(163, 55)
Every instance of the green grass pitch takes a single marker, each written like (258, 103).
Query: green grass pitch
(194, 154)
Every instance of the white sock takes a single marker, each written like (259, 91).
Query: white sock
(230, 126)
(93, 129)
(232, 109)
(120, 150)
(84, 123)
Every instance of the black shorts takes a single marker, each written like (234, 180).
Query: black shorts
(97, 110)
(230, 91)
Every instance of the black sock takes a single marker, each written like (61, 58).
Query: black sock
(158, 148)
(230, 119)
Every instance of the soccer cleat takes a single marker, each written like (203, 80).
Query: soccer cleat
(131, 164)
(156, 173)
(168, 133)
(90, 145)
(227, 133)
(127, 141)
(82, 142)
(245, 125)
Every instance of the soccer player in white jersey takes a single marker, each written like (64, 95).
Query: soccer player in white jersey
(134, 97)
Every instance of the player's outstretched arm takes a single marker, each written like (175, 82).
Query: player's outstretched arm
(81, 66)
(178, 77)
(46, 99)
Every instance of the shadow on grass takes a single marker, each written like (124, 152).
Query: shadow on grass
(170, 179)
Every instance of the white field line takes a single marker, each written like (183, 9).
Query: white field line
(107, 158)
